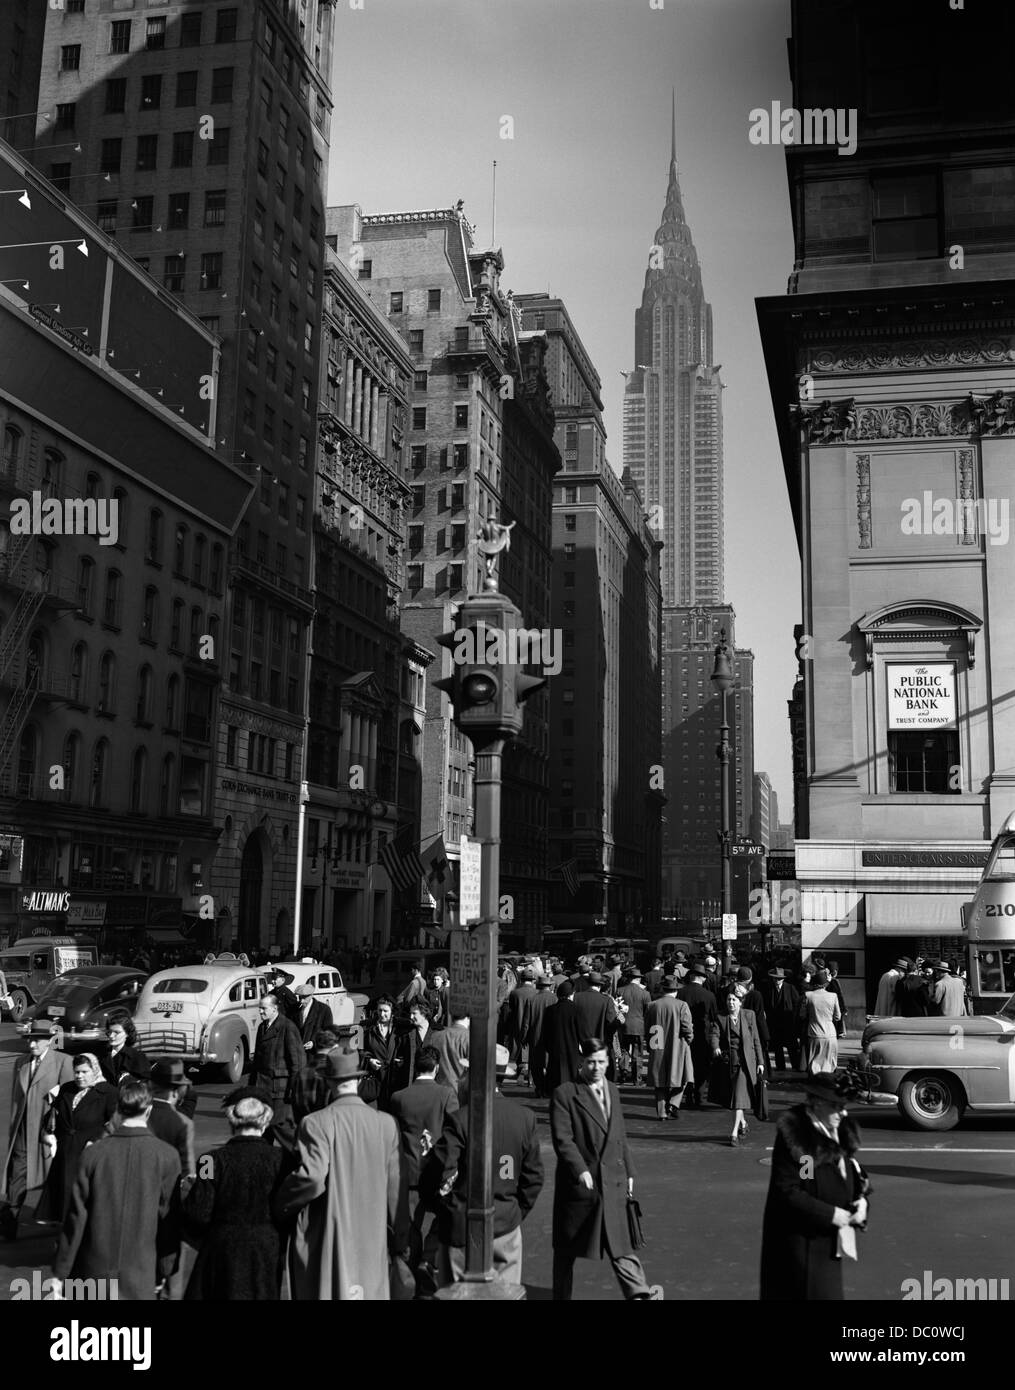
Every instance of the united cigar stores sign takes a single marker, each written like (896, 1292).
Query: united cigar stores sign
(921, 696)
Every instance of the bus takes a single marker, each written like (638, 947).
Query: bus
(989, 921)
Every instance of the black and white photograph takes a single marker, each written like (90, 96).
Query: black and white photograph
(507, 665)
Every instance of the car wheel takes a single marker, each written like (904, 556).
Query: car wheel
(19, 1004)
(233, 1070)
(932, 1100)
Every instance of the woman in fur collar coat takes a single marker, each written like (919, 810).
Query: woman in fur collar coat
(817, 1190)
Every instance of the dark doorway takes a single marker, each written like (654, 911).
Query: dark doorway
(251, 875)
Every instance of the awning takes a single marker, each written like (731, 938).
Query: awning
(914, 914)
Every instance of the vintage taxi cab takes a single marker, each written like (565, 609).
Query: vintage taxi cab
(937, 1069)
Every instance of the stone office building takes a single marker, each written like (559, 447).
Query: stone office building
(891, 363)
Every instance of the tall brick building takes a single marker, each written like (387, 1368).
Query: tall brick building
(605, 799)
(480, 443)
(203, 133)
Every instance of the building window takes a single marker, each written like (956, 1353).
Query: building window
(179, 211)
(110, 154)
(143, 704)
(107, 217)
(570, 522)
(147, 152)
(222, 84)
(457, 497)
(433, 301)
(151, 92)
(267, 98)
(461, 417)
(419, 381)
(922, 760)
(65, 115)
(175, 269)
(86, 570)
(215, 577)
(155, 33)
(107, 684)
(419, 417)
(416, 341)
(262, 159)
(150, 614)
(218, 148)
(183, 149)
(225, 26)
(139, 782)
(414, 577)
(304, 453)
(71, 758)
(186, 88)
(119, 36)
(111, 604)
(70, 57)
(116, 95)
(190, 29)
(153, 536)
(395, 302)
(166, 784)
(211, 270)
(906, 218)
(366, 270)
(143, 210)
(100, 772)
(305, 398)
(59, 177)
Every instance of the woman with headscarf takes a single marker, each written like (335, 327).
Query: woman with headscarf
(819, 1013)
(817, 1194)
(228, 1209)
(738, 1060)
(123, 1058)
(77, 1119)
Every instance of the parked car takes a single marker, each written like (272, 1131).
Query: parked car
(81, 1000)
(936, 1069)
(34, 962)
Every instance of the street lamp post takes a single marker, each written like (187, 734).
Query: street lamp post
(722, 679)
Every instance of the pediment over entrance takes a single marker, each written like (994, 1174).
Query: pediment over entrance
(909, 620)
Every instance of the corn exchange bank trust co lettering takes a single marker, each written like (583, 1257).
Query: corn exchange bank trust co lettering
(266, 793)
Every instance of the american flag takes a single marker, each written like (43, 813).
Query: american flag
(569, 873)
(401, 859)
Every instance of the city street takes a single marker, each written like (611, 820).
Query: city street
(941, 1202)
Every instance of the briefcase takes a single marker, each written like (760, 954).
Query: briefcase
(761, 1099)
(634, 1224)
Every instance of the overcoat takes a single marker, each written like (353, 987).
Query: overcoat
(74, 1130)
(544, 999)
(420, 1110)
(392, 1053)
(517, 1012)
(583, 1221)
(562, 1034)
(123, 1222)
(29, 1107)
(319, 1017)
(229, 1210)
(129, 1061)
(638, 999)
(798, 1243)
(670, 1034)
(704, 1015)
(452, 1046)
(278, 1057)
(748, 1058)
(348, 1193)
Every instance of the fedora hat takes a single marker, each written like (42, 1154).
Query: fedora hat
(169, 1072)
(343, 1065)
(697, 971)
(941, 965)
(505, 1066)
(777, 973)
(901, 964)
(595, 978)
(43, 1028)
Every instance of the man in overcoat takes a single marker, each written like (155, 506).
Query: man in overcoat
(594, 1179)
(670, 1032)
(123, 1223)
(545, 998)
(313, 1018)
(420, 1111)
(704, 1015)
(347, 1194)
(517, 1011)
(562, 1031)
(37, 1081)
(278, 1059)
(782, 1005)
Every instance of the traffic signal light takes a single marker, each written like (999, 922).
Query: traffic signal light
(487, 685)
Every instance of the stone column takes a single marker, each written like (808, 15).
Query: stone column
(372, 763)
(375, 401)
(357, 401)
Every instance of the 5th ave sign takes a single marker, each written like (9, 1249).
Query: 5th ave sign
(747, 849)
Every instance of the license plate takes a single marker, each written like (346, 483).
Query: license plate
(56, 1010)
(171, 1006)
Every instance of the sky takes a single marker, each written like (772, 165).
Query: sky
(420, 88)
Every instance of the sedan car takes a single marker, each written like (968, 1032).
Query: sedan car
(81, 1001)
(935, 1069)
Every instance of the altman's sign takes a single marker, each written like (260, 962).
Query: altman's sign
(921, 696)
(44, 902)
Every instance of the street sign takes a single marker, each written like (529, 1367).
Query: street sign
(473, 971)
(780, 867)
(470, 880)
(746, 849)
(729, 926)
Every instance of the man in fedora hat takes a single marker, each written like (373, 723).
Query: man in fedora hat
(347, 1194)
(420, 1110)
(546, 998)
(37, 1081)
(278, 1059)
(886, 1005)
(313, 1017)
(912, 993)
(948, 993)
(597, 1013)
(782, 1006)
(288, 1004)
(636, 999)
(704, 1017)
(517, 1173)
(169, 1082)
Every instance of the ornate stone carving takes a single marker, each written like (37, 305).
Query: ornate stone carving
(835, 422)
(966, 496)
(828, 422)
(994, 414)
(863, 499)
(848, 358)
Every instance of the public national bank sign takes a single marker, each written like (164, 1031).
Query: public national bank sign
(921, 696)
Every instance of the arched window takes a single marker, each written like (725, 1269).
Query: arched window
(35, 662)
(100, 773)
(173, 703)
(111, 603)
(92, 484)
(79, 673)
(28, 756)
(176, 631)
(71, 759)
(213, 633)
(180, 549)
(107, 684)
(86, 573)
(143, 706)
(196, 627)
(215, 578)
(120, 498)
(12, 448)
(153, 537)
(197, 570)
(150, 613)
(166, 784)
(139, 781)
(52, 467)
